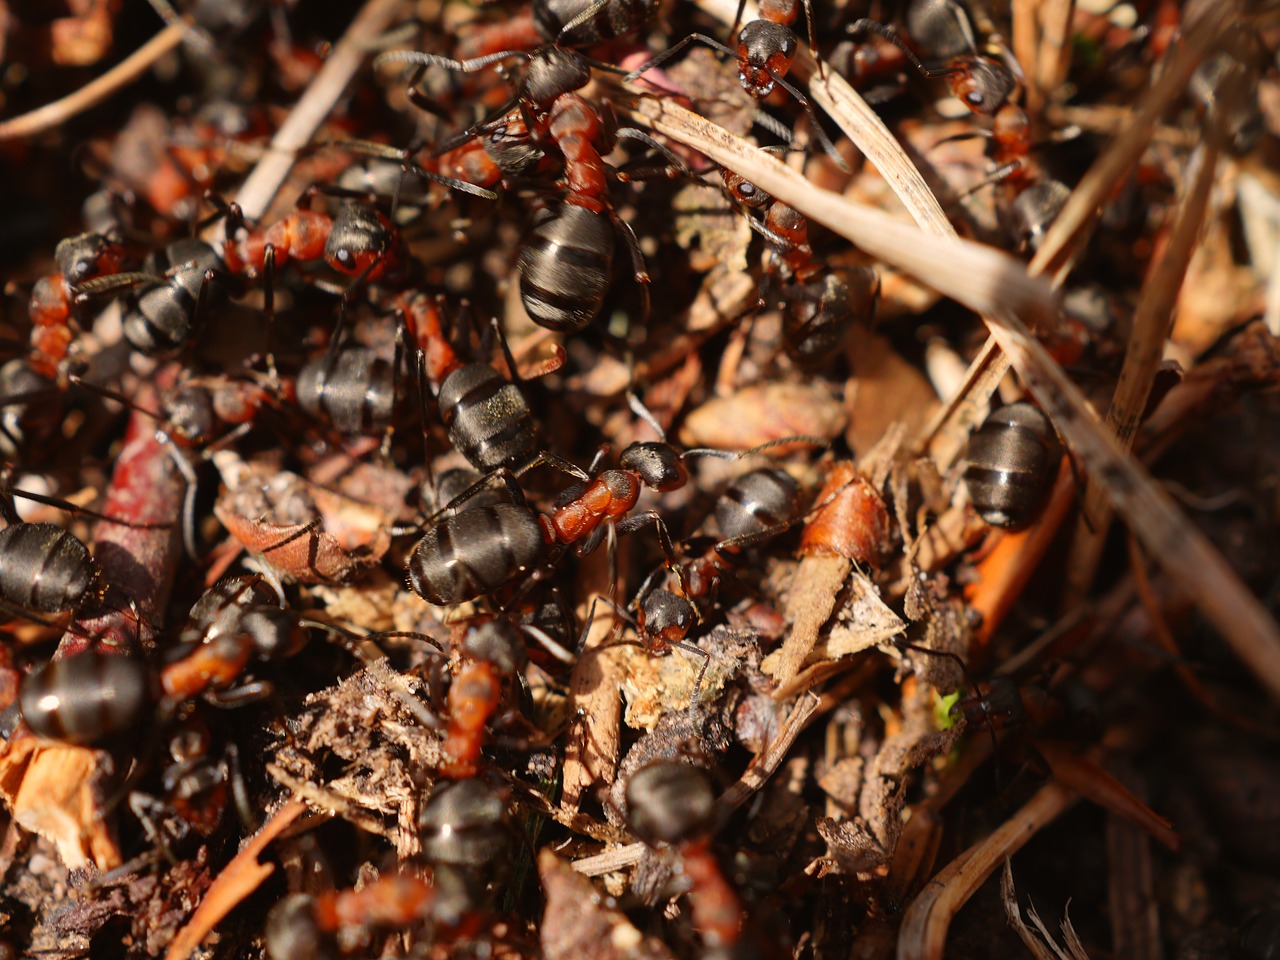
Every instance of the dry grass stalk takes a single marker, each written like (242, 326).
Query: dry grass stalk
(923, 935)
(1054, 56)
(1152, 324)
(125, 72)
(1074, 222)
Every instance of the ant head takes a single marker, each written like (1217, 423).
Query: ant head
(669, 801)
(86, 256)
(509, 145)
(553, 72)
(665, 618)
(464, 824)
(360, 235)
(765, 52)
(658, 465)
(189, 412)
(982, 84)
(744, 191)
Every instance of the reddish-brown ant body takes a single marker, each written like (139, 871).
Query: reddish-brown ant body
(820, 304)
(493, 652)
(79, 259)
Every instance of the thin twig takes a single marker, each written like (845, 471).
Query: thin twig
(95, 91)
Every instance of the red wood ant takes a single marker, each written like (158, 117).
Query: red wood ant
(573, 230)
(943, 28)
(766, 47)
(671, 803)
(486, 416)
(820, 304)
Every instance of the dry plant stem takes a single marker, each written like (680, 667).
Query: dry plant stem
(591, 754)
(610, 861)
(980, 277)
(764, 763)
(264, 182)
(243, 875)
(95, 91)
(1135, 917)
(1054, 56)
(809, 605)
(1069, 230)
(1152, 323)
(923, 935)
(1026, 40)
(1083, 774)
(1163, 638)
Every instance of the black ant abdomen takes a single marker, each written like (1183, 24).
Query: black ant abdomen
(1011, 464)
(88, 698)
(44, 569)
(487, 417)
(757, 501)
(566, 265)
(164, 317)
(474, 553)
(354, 390)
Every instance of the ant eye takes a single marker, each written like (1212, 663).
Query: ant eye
(747, 190)
(974, 98)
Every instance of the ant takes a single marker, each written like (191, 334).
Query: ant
(943, 28)
(757, 505)
(492, 653)
(478, 551)
(671, 803)
(487, 417)
(574, 229)
(564, 23)
(1011, 465)
(467, 838)
(305, 927)
(766, 48)
(46, 571)
(31, 407)
(820, 304)
(179, 283)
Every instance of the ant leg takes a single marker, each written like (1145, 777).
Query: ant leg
(813, 44)
(7, 492)
(502, 474)
(148, 810)
(689, 648)
(827, 146)
(239, 790)
(269, 308)
(253, 692)
(546, 458)
(672, 50)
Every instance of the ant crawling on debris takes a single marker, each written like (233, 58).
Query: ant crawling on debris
(766, 48)
(944, 30)
(486, 416)
(476, 552)
(467, 838)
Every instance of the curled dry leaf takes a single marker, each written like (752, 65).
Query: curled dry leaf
(274, 516)
(760, 414)
(51, 790)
